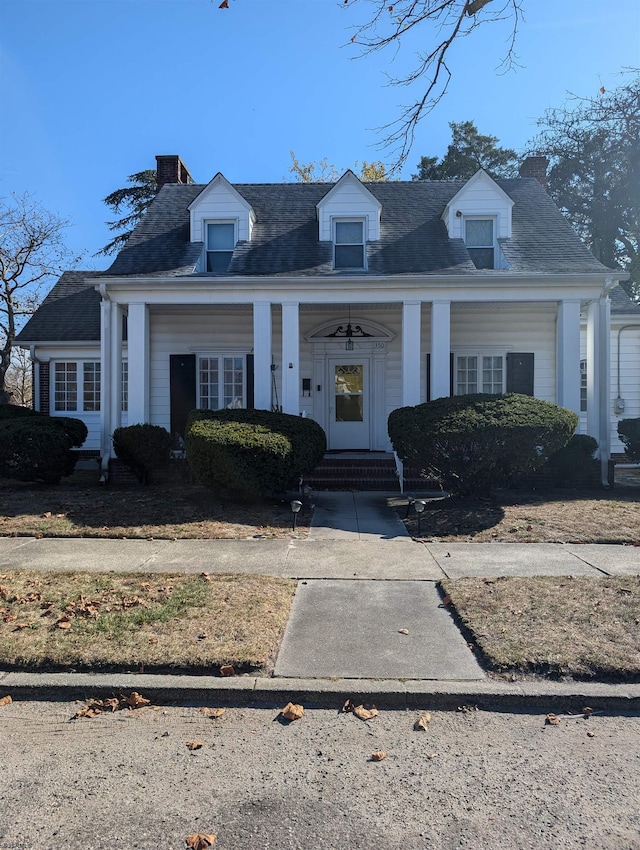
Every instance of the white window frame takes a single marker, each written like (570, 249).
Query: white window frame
(494, 246)
(362, 220)
(124, 386)
(80, 386)
(479, 354)
(220, 356)
(206, 223)
(583, 386)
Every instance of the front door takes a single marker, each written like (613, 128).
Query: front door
(349, 403)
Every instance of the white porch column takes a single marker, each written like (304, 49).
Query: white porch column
(116, 368)
(290, 358)
(568, 355)
(106, 324)
(440, 349)
(138, 351)
(262, 354)
(598, 365)
(411, 354)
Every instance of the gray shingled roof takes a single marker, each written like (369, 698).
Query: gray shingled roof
(621, 304)
(69, 313)
(413, 240)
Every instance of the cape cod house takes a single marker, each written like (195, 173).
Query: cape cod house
(336, 301)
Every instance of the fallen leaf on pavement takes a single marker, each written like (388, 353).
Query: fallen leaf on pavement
(200, 841)
(194, 745)
(403, 631)
(587, 711)
(227, 670)
(365, 713)
(5, 700)
(378, 755)
(213, 712)
(422, 723)
(431, 755)
(446, 601)
(92, 707)
(591, 734)
(552, 719)
(134, 700)
(292, 711)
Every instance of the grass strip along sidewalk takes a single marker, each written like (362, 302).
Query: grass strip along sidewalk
(158, 622)
(573, 626)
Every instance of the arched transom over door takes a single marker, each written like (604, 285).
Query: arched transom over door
(349, 382)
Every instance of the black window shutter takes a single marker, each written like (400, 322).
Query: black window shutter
(250, 382)
(520, 373)
(451, 363)
(182, 392)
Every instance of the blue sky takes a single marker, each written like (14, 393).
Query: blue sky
(91, 90)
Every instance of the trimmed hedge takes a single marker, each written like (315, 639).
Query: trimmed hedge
(39, 447)
(629, 433)
(252, 452)
(476, 443)
(9, 412)
(144, 449)
(568, 464)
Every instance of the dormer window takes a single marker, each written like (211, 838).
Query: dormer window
(349, 242)
(480, 241)
(221, 240)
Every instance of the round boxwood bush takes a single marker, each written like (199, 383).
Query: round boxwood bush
(476, 443)
(568, 463)
(629, 433)
(239, 455)
(39, 448)
(144, 449)
(15, 411)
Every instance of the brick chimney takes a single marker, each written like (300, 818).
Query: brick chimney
(171, 169)
(535, 166)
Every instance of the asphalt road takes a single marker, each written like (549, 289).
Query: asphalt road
(475, 779)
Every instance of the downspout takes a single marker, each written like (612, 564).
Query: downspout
(619, 402)
(35, 391)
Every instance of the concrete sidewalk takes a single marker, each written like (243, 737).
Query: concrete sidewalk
(365, 618)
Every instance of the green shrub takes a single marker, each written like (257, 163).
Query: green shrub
(475, 443)
(36, 449)
(307, 439)
(248, 460)
(9, 412)
(144, 449)
(567, 465)
(629, 433)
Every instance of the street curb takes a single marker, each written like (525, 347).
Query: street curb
(251, 691)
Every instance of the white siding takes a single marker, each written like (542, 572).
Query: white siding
(481, 197)
(220, 202)
(349, 199)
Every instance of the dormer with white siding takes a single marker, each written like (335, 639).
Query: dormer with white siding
(220, 218)
(349, 216)
(480, 215)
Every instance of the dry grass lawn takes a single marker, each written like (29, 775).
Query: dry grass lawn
(79, 507)
(555, 516)
(569, 626)
(158, 622)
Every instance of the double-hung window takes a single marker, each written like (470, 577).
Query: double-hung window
(479, 373)
(76, 386)
(348, 244)
(222, 381)
(124, 386)
(221, 240)
(583, 386)
(480, 241)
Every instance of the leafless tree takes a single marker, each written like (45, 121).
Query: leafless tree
(18, 378)
(444, 22)
(31, 253)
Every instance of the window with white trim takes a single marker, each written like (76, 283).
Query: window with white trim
(348, 244)
(583, 386)
(68, 377)
(479, 373)
(221, 240)
(124, 386)
(479, 237)
(222, 381)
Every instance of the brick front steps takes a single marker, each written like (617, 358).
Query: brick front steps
(362, 471)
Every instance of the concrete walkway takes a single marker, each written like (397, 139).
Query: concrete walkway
(366, 608)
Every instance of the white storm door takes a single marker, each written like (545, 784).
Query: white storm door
(349, 403)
